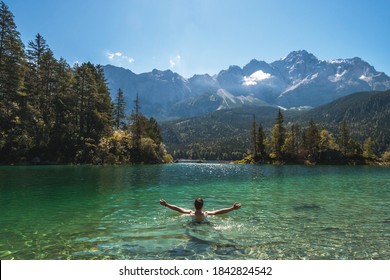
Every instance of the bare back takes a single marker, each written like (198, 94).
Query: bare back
(199, 216)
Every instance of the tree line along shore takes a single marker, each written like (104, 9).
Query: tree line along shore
(51, 112)
(310, 145)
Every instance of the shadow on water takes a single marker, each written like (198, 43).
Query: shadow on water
(205, 241)
(306, 207)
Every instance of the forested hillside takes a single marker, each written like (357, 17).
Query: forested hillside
(220, 135)
(367, 113)
(228, 134)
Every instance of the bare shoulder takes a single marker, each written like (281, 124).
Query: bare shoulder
(210, 213)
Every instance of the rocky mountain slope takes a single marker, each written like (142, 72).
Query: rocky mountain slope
(299, 79)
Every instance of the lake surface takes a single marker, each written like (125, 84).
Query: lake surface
(113, 212)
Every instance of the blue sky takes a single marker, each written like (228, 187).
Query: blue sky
(205, 36)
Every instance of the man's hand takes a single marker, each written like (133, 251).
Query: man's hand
(236, 206)
(163, 202)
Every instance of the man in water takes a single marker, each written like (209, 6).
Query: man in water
(199, 215)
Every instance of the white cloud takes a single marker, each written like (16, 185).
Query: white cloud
(172, 63)
(119, 58)
(256, 77)
(175, 61)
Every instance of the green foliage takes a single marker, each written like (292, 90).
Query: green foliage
(118, 148)
(136, 120)
(167, 158)
(248, 159)
(368, 149)
(119, 111)
(311, 139)
(327, 141)
(53, 113)
(278, 137)
(114, 149)
(366, 113)
(12, 99)
(150, 152)
(291, 144)
(261, 143)
(344, 137)
(254, 136)
(386, 157)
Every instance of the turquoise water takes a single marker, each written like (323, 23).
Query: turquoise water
(113, 212)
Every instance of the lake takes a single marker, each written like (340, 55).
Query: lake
(113, 212)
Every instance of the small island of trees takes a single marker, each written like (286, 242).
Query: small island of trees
(309, 145)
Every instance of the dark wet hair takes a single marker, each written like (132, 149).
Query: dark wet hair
(198, 203)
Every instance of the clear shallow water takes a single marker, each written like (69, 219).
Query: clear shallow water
(113, 212)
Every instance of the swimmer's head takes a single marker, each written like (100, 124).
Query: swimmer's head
(198, 203)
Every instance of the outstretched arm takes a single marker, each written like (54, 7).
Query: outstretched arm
(235, 206)
(174, 207)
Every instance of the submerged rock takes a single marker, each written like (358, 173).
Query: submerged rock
(386, 221)
(307, 207)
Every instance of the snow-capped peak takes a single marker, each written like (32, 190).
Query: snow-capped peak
(298, 56)
(255, 77)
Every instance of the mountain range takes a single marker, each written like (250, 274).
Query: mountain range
(225, 134)
(299, 80)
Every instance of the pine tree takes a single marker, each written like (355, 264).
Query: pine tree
(119, 110)
(11, 56)
(291, 144)
(154, 131)
(278, 137)
(36, 77)
(40, 86)
(136, 132)
(37, 49)
(254, 137)
(64, 105)
(261, 141)
(12, 99)
(93, 110)
(103, 107)
(312, 139)
(343, 138)
(355, 149)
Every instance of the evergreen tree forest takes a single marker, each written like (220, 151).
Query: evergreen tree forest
(309, 145)
(51, 112)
